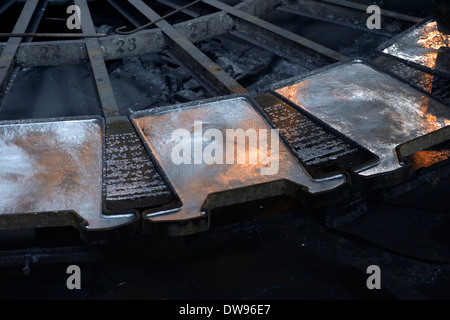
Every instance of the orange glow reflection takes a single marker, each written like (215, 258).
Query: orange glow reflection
(425, 159)
(429, 59)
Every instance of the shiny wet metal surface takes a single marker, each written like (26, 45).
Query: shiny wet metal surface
(425, 45)
(371, 108)
(193, 183)
(54, 167)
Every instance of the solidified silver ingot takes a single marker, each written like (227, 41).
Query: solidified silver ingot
(194, 182)
(51, 167)
(371, 108)
(425, 45)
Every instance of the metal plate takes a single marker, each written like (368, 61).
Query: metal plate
(201, 187)
(371, 108)
(319, 150)
(53, 166)
(436, 85)
(424, 45)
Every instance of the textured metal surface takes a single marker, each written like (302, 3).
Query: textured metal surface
(424, 45)
(193, 183)
(51, 167)
(371, 108)
(131, 177)
(321, 151)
